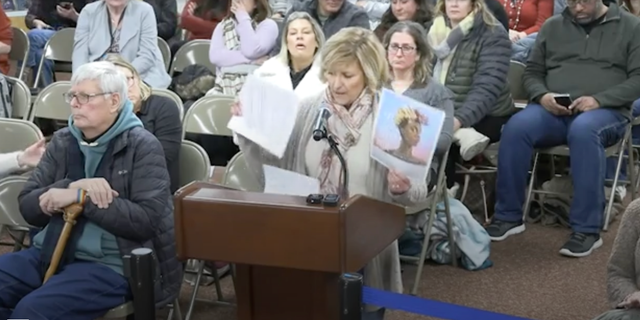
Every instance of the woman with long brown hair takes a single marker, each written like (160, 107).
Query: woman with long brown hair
(420, 11)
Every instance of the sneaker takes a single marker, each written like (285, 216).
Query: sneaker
(620, 193)
(453, 191)
(499, 230)
(581, 244)
(472, 143)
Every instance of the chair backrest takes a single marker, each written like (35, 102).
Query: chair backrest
(194, 163)
(19, 48)
(516, 83)
(173, 96)
(60, 45)
(166, 52)
(238, 176)
(50, 104)
(20, 98)
(192, 52)
(209, 115)
(18, 134)
(10, 188)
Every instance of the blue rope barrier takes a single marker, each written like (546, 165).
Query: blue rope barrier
(429, 308)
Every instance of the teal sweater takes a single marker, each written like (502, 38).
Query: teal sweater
(97, 244)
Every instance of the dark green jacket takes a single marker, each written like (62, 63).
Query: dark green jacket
(604, 64)
(477, 75)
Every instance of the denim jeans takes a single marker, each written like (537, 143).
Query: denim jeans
(522, 48)
(586, 134)
(612, 162)
(37, 40)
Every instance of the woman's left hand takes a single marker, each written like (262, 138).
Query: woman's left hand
(398, 182)
(238, 6)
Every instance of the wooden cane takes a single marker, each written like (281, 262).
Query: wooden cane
(71, 213)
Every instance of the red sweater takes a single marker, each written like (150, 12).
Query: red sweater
(6, 37)
(533, 13)
(198, 27)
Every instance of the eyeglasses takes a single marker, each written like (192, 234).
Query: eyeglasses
(82, 98)
(393, 48)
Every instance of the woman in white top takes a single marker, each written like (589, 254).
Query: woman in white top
(354, 67)
(28, 158)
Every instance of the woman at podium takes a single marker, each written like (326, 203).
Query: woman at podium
(354, 67)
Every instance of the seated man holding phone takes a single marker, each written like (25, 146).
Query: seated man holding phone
(582, 77)
(44, 18)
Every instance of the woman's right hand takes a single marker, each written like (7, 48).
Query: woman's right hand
(236, 109)
(514, 35)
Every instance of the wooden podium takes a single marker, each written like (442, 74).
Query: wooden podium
(288, 254)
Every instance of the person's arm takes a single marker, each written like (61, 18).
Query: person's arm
(375, 9)
(144, 59)
(219, 55)
(6, 34)
(625, 93)
(80, 54)
(446, 135)
(545, 10)
(193, 24)
(256, 43)
(497, 9)
(168, 127)
(535, 71)
(34, 12)
(41, 180)
(136, 218)
(167, 19)
(621, 269)
(9, 162)
(489, 79)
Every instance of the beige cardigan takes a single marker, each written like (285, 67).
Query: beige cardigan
(383, 272)
(623, 270)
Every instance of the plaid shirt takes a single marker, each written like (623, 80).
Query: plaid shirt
(45, 10)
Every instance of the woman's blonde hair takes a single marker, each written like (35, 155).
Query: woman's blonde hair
(478, 6)
(356, 45)
(422, 68)
(317, 31)
(145, 90)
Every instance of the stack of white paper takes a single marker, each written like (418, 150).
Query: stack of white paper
(268, 115)
(280, 181)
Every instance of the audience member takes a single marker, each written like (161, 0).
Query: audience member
(200, 17)
(43, 18)
(28, 158)
(166, 14)
(355, 69)
(496, 8)
(123, 27)
(623, 270)
(108, 163)
(602, 76)
(420, 11)
(472, 59)
(331, 15)
(6, 38)
(525, 19)
(159, 115)
(241, 43)
(632, 6)
(410, 56)
(279, 8)
(559, 6)
(374, 9)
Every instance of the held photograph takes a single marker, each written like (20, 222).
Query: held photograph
(405, 134)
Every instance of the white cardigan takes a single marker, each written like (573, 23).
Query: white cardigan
(9, 163)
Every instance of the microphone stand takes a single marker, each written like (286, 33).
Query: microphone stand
(333, 144)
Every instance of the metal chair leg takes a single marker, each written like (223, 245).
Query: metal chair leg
(425, 244)
(631, 168)
(196, 286)
(453, 248)
(527, 202)
(609, 207)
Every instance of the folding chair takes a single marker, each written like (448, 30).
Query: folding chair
(19, 49)
(195, 166)
(171, 95)
(563, 151)
(516, 83)
(10, 217)
(50, 103)
(192, 52)
(238, 176)
(439, 194)
(17, 134)
(60, 49)
(209, 115)
(166, 52)
(20, 98)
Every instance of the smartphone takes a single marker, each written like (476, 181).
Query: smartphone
(563, 99)
(331, 200)
(66, 5)
(314, 198)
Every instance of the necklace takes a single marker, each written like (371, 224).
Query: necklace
(514, 4)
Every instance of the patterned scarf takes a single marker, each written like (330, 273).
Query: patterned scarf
(344, 126)
(444, 41)
(230, 83)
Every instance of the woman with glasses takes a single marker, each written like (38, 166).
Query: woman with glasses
(409, 56)
(159, 115)
(420, 11)
(473, 54)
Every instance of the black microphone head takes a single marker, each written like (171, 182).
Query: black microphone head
(318, 135)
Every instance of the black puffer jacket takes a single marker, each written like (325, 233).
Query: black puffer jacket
(142, 214)
(167, 16)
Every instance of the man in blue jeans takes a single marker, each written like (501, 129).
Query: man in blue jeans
(43, 18)
(592, 53)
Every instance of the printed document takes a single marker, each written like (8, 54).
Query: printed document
(280, 181)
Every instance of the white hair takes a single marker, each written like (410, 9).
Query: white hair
(109, 78)
(283, 55)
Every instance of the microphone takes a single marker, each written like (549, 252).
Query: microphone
(320, 129)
